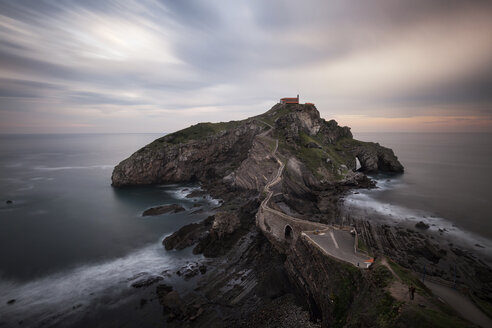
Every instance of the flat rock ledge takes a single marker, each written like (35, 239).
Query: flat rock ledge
(164, 209)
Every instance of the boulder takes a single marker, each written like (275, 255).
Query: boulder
(376, 158)
(422, 225)
(188, 235)
(146, 281)
(225, 223)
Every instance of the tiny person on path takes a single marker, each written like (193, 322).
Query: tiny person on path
(411, 291)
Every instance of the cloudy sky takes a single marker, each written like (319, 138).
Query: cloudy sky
(158, 66)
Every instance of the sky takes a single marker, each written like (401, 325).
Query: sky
(119, 66)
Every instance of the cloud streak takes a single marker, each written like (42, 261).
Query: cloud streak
(156, 66)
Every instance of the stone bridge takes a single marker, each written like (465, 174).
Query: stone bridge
(282, 228)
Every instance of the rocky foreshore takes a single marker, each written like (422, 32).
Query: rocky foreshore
(164, 209)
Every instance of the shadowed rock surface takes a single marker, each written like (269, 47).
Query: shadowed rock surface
(158, 210)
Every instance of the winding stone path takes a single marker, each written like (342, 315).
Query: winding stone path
(339, 244)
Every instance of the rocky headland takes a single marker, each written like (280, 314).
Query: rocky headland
(290, 161)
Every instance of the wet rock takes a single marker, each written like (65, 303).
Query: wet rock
(146, 282)
(158, 210)
(12, 301)
(163, 289)
(196, 193)
(203, 269)
(197, 211)
(138, 275)
(188, 235)
(190, 270)
(422, 225)
(223, 234)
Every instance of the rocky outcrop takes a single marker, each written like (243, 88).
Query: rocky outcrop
(210, 157)
(146, 281)
(225, 223)
(375, 158)
(210, 231)
(259, 160)
(188, 235)
(158, 210)
(421, 252)
(236, 153)
(372, 156)
(306, 119)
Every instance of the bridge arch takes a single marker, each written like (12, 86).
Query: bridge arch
(288, 233)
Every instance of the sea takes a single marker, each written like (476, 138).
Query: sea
(70, 243)
(446, 184)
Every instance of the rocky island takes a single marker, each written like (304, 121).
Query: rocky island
(277, 252)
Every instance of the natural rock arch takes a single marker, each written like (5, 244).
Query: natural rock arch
(358, 165)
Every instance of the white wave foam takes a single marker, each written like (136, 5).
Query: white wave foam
(387, 184)
(59, 295)
(390, 213)
(25, 188)
(60, 168)
(42, 179)
(181, 193)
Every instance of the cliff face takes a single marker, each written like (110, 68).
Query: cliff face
(236, 153)
(204, 154)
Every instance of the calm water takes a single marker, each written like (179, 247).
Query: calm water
(446, 182)
(69, 237)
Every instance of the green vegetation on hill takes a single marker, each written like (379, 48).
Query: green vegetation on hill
(328, 156)
(375, 305)
(413, 315)
(276, 112)
(429, 318)
(312, 157)
(197, 132)
(408, 278)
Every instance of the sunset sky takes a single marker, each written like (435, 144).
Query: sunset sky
(158, 66)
